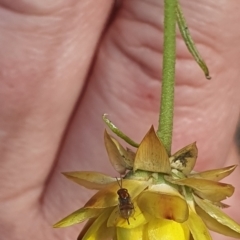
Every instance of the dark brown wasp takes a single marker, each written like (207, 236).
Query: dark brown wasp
(126, 207)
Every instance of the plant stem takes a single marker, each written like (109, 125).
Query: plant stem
(165, 125)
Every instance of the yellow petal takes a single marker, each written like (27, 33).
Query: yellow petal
(87, 225)
(216, 226)
(197, 227)
(218, 194)
(130, 234)
(78, 216)
(165, 188)
(152, 155)
(90, 180)
(162, 229)
(184, 160)
(163, 205)
(114, 155)
(211, 190)
(99, 229)
(217, 214)
(137, 219)
(108, 197)
(127, 154)
(216, 174)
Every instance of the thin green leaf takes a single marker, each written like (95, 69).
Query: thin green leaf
(189, 41)
(118, 132)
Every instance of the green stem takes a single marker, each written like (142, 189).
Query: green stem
(165, 126)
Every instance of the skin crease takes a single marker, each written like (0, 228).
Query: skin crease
(63, 67)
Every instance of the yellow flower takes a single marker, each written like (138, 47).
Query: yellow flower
(159, 197)
(157, 208)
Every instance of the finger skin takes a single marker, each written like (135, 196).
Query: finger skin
(44, 61)
(124, 82)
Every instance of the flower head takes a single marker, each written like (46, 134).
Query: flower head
(158, 198)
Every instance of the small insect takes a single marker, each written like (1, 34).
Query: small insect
(126, 207)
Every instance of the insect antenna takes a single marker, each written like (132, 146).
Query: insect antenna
(119, 182)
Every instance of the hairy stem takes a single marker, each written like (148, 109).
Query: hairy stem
(165, 125)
